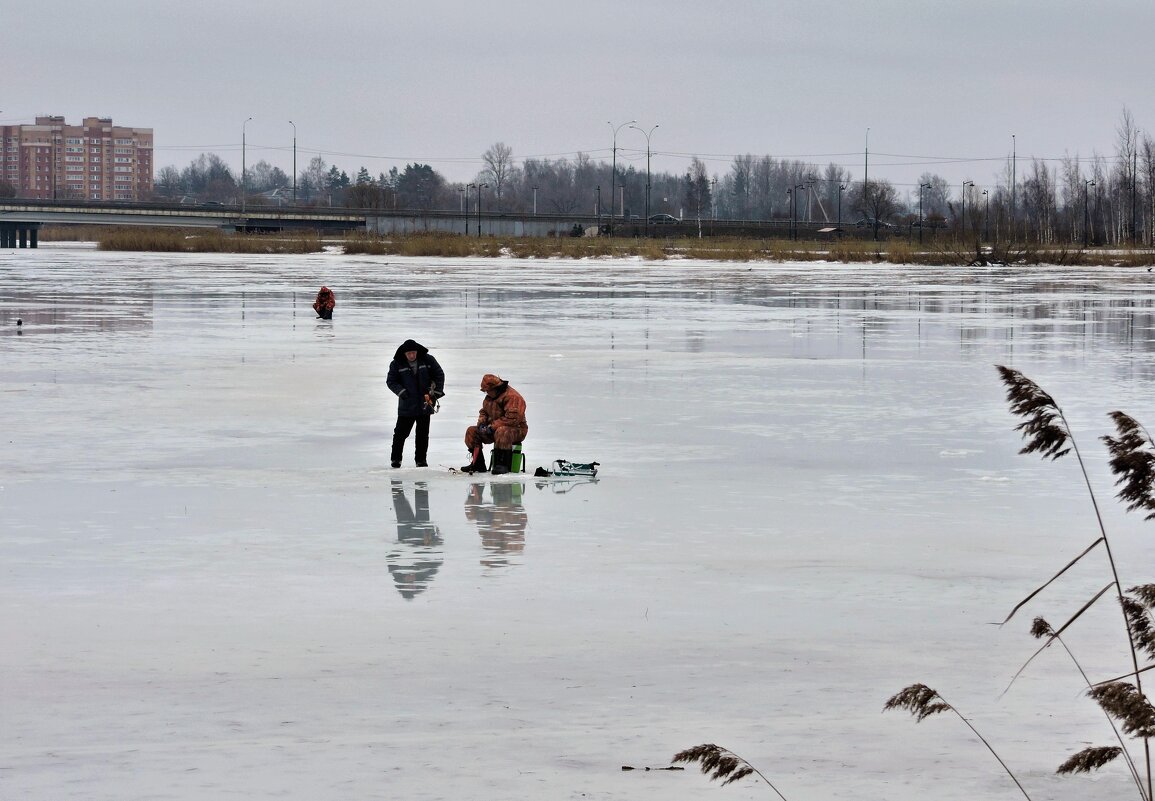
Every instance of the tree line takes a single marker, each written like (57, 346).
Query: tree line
(1096, 200)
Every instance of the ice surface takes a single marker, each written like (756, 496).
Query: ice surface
(213, 586)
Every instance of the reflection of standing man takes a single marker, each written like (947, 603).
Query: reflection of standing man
(418, 381)
(414, 564)
(500, 523)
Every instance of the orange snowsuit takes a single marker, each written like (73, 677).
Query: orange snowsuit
(502, 414)
(325, 303)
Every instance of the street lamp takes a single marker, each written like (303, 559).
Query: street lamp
(598, 207)
(986, 214)
(794, 208)
(479, 188)
(294, 161)
(244, 172)
(1086, 211)
(841, 189)
(1014, 181)
(920, 222)
(614, 168)
(647, 134)
(535, 201)
(963, 218)
(465, 205)
(790, 194)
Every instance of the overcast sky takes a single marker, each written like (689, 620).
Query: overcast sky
(942, 87)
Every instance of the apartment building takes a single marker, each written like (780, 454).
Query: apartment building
(95, 160)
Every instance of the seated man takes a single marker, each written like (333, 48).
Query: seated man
(325, 303)
(501, 421)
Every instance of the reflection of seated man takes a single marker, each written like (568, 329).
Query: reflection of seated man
(501, 523)
(418, 559)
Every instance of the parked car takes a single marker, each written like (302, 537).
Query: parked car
(663, 219)
(869, 222)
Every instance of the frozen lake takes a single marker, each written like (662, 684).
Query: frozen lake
(213, 586)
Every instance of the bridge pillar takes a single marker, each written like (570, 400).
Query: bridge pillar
(23, 235)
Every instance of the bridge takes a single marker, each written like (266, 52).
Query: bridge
(21, 219)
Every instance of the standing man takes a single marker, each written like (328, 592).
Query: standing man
(418, 381)
(500, 421)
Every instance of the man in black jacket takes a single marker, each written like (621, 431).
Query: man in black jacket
(418, 381)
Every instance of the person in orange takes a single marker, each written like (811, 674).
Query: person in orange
(325, 303)
(501, 421)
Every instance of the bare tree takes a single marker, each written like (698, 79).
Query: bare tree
(499, 168)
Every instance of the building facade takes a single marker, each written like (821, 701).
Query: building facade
(95, 160)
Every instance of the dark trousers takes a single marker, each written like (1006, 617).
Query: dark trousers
(401, 433)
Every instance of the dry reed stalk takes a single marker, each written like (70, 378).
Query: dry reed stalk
(922, 702)
(721, 764)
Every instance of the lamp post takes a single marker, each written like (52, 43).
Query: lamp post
(648, 134)
(920, 222)
(465, 205)
(866, 176)
(963, 219)
(796, 188)
(986, 214)
(535, 201)
(1014, 181)
(1086, 212)
(790, 194)
(294, 161)
(244, 171)
(479, 188)
(841, 189)
(614, 168)
(598, 208)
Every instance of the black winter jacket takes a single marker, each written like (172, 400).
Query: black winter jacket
(409, 385)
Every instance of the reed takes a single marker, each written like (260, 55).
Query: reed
(1047, 433)
(721, 764)
(178, 240)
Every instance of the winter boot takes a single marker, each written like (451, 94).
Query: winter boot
(502, 462)
(478, 463)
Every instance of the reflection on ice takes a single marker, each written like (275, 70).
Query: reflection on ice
(501, 520)
(418, 558)
(563, 484)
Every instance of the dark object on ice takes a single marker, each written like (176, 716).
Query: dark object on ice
(325, 303)
(541, 472)
(19, 322)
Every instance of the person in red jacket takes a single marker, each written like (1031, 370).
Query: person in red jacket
(501, 421)
(325, 303)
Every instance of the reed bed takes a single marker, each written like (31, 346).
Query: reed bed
(176, 240)
(942, 251)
